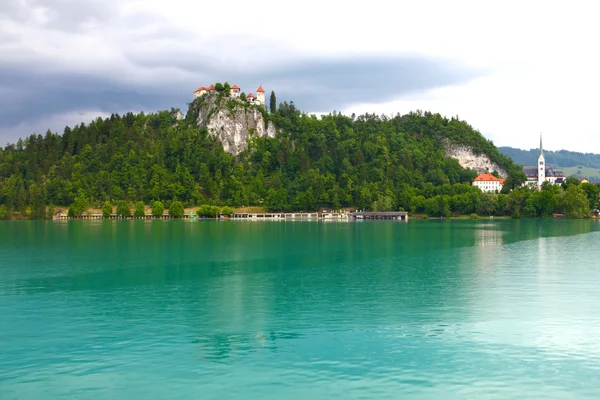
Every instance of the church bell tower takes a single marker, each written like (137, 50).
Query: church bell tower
(541, 165)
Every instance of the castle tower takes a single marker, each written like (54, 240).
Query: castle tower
(234, 91)
(199, 92)
(260, 95)
(541, 165)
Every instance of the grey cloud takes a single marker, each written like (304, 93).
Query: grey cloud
(31, 93)
(336, 83)
(313, 85)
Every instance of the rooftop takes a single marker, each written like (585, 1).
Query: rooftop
(488, 177)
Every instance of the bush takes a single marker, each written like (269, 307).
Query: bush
(227, 211)
(139, 211)
(77, 208)
(49, 213)
(176, 209)
(208, 211)
(4, 213)
(106, 209)
(123, 209)
(158, 209)
(474, 216)
(203, 211)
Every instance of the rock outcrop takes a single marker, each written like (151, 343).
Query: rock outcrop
(468, 159)
(232, 121)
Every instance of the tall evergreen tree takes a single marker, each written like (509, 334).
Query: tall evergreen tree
(273, 102)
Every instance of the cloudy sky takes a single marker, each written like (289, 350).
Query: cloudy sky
(512, 69)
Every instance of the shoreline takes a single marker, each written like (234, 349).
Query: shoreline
(304, 217)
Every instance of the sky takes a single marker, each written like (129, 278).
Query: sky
(511, 69)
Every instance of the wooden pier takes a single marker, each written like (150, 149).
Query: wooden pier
(323, 216)
(284, 216)
(389, 215)
(63, 216)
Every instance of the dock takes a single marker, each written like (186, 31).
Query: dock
(389, 215)
(273, 216)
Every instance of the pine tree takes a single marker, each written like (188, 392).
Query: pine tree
(273, 102)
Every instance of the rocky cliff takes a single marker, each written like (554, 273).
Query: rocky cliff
(233, 121)
(468, 159)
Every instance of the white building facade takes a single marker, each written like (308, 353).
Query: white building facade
(489, 183)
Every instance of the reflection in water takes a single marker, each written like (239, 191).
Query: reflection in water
(424, 309)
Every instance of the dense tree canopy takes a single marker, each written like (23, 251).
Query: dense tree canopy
(369, 162)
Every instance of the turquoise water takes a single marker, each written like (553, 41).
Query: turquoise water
(300, 310)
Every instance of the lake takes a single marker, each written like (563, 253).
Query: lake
(482, 309)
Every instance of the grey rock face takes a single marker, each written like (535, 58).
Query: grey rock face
(231, 121)
(468, 159)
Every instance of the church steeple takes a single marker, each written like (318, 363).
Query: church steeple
(541, 165)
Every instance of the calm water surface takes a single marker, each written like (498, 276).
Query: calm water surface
(300, 310)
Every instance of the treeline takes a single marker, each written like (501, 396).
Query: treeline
(561, 158)
(367, 162)
(571, 199)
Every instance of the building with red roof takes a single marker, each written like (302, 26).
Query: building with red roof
(488, 183)
(260, 95)
(235, 92)
(199, 92)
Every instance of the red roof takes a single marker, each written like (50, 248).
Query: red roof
(502, 180)
(487, 177)
(235, 87)
(250, 95)
(211, 87)
(199, 89)
(260, 89)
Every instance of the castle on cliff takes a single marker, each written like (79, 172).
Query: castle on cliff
(235, 92)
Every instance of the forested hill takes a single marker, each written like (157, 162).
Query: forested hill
(581, 165)
(368, 162)
(561, 158)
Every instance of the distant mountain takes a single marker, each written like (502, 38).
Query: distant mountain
(582, 165)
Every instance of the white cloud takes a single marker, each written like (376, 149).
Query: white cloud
(539, 58)
(511, 109)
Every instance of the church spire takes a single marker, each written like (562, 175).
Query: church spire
(541, 148)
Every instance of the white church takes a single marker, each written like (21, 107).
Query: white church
(540, 173)
(235, 92)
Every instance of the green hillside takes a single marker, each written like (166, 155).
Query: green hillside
(368, 162)
(591, 174)
(570, 161)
